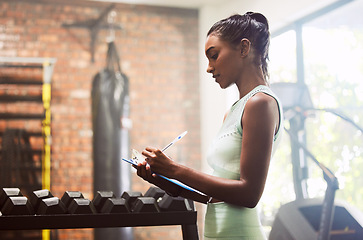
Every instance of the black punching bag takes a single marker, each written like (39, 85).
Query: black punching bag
(109, 100)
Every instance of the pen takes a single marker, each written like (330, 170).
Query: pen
(174, 141)
(137, 157)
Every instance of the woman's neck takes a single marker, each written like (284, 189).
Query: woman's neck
(251, 79)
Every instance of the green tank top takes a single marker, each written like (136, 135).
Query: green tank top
(223, 220)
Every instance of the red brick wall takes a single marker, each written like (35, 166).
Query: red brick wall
(158, 47)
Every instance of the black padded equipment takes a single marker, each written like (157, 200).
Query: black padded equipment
(300, 220)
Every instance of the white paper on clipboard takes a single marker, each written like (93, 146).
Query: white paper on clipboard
(137, 158)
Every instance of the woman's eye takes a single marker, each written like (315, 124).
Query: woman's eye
(215, 56)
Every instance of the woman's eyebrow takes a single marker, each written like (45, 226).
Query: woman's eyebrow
(206, 52)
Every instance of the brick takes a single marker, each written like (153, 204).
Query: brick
(159, 52)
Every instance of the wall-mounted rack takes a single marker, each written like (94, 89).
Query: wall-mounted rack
(19, 78)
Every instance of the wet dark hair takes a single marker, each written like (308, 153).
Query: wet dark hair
(253, 26)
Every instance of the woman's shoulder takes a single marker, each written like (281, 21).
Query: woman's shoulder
(261, 99)
(262, 106)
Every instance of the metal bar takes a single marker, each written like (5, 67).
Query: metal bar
(30, 134)
(72, 221)
(14, 98)
(46, 130)
(21, 116)
(190, 231)
(300, 186)
(20, 66)
(327, 211)
(32, 151)
(311, 17)
(27, 60)
(324, 10)
(12, 81)
(300, 71)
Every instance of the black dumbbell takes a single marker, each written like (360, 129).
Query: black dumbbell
(131, 197)
(17, 206)
(5, 193)
(155, 192)
(145, 204)
(81, 206)
(76, 203)
(52, 205)
(100, 199)
(37, 196)
(68, 196)
(115, 205)
(169, 203)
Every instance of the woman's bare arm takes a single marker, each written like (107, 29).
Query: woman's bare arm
(259, 123)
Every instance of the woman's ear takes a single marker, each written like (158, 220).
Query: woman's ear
(245, 47)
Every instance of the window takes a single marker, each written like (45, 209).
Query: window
(282, 66)
(332, 66)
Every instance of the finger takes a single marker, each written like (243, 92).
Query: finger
(138, 169)
(141, 171)
(148, 154)
(158, 152)
(147, 167)
(153, 151)
(150, 149)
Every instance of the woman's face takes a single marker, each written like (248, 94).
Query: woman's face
(224, 61)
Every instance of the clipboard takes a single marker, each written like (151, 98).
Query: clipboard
(137, 158)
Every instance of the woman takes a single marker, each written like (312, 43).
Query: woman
(237, 50)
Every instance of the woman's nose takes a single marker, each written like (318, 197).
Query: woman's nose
(210, 69)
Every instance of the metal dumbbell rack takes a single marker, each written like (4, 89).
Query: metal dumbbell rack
(158, 212)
